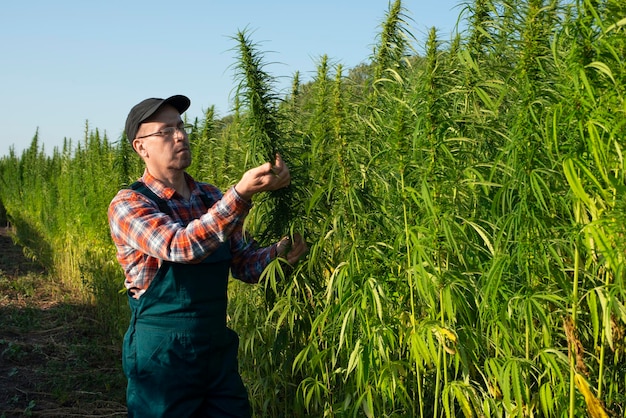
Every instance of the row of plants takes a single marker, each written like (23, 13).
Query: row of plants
(462, 200)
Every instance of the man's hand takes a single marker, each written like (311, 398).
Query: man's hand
(292, 249)
(264, 178)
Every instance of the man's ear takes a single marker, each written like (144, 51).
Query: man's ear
(139, 147)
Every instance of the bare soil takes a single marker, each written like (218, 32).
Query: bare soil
(55, 360)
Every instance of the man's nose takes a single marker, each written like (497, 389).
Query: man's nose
(180, 134)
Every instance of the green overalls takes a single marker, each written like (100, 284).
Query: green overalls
(178, 354)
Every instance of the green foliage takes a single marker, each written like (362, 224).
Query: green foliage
(58, 204)
(261, 126)
(463, 208)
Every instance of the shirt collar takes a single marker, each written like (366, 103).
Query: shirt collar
(164, 191)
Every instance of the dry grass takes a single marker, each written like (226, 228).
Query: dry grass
(54, 359)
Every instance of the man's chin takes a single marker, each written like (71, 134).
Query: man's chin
(184, 163)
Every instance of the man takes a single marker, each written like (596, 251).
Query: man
(177, 241)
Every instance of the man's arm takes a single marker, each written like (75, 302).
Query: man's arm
(137, 223)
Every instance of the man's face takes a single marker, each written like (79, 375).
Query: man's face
(163, 152)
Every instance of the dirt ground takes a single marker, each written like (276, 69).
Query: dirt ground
(54, 359)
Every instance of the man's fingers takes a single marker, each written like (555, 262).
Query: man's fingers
(278, 162)
(292, 249)
(298, 249)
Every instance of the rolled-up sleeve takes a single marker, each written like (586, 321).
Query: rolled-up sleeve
(249, 260)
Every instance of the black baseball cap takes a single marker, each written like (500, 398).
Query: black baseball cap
(143, 110)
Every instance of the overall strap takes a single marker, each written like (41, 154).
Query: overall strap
(205, 200)
(141, 187)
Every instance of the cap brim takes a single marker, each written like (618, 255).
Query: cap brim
(179, 102)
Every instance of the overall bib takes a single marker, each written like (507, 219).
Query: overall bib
(179, 356)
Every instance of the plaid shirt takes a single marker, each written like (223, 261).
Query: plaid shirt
(145, 237)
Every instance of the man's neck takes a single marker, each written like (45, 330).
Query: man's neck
(175, 180)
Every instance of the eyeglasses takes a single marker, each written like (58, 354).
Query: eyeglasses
(169, 131)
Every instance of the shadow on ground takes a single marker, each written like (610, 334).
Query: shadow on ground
(55, 358)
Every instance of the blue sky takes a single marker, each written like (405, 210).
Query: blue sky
(69, 62)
